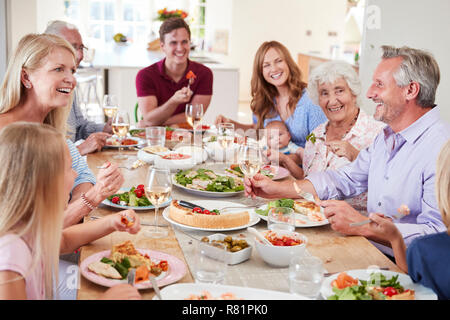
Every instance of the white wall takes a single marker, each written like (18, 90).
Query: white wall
(3, 42)
(22, 19)
(415, 23)
(255, 21)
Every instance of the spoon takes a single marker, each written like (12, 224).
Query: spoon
(258, 235)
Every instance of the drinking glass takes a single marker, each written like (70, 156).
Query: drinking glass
(121, 126)
(306, 276)
(110, 105)
(281, 218)
(250, 159)
(155, 136)
(194, 115)
(225, 137)
(210, 265)
(157, 190)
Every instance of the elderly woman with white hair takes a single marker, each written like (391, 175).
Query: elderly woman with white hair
(336, 88)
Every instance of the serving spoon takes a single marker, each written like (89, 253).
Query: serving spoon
(258, 235)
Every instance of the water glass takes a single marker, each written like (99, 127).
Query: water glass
(306, 276)
(155, 136)
(281, 218)
(210, 265)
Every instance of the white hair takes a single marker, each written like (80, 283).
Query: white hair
(330, 72)
(56, 26)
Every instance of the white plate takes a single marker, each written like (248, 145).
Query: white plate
(421, 292)
(211, 205)
(301, 221)
(200, 155)
(138, 142)
(181, 291)
(174, 165)
(122, 190)
(209, 194)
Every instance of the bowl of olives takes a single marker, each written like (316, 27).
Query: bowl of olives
(238, 249)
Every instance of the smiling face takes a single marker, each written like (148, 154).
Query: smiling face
(337, 100)
(275, 70)
(176, 46)
(385, 92)
(53, 82)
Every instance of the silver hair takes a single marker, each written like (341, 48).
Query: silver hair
(418, 66)
(56, 26)
(330, 72)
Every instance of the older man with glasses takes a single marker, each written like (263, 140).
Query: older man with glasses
(94, 134)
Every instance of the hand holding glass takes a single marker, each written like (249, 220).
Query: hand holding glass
(250, 159)
(157, 189)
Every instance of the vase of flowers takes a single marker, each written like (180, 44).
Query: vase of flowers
(164, 14)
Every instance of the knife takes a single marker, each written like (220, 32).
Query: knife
(189, 205)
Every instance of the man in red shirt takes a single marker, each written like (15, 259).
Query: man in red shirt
(162, 88)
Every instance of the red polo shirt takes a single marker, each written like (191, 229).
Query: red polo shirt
(153, 81)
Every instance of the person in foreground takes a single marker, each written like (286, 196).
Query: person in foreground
(398, 168)
(31, 228)
(336, 88)
(88, 135)
(427, 258)
(278, 93)
(163, 89)
(38, 87)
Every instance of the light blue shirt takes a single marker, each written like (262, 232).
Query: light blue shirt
(84, 174)
(305, 118)
(398, 168)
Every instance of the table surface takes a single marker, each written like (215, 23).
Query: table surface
(338, 252)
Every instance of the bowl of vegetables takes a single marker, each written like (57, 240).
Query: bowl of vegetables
(285, 245)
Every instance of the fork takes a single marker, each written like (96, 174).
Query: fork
(306, 195)
(155, 287)
(124, 167)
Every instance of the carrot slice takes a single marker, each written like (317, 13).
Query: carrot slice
(142, 273)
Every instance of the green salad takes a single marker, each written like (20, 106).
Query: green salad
(207, 180)
(289, 203)
(133, 198)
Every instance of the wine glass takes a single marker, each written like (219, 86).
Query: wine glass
(194, 114)
(157, 190)
(120, 127)
(250, 159)
(225, 136)
(110, 105)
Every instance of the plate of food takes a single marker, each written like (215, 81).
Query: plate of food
(307, 213)
(137, 133)
(373, 284)
(175, 161)
(206, 291)
(149, 153)
(133, 198)
(206, 182)
(114, 142)
(273, 172)
(208, 216)
(110, 267)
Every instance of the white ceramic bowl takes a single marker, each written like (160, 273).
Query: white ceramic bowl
(217, 153)
(280, 256)
(200, 155)
(233, 257)
(174, 165)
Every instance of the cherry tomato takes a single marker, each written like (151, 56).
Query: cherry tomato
(390, 291)
(115, 199)
(206, 211)
(139, 193)
(197, 209)
(141, 186)
(163, 264)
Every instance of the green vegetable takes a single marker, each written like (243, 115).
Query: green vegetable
(121, 269)
(289, 203)
(219, 184)
(311, 137)
(144, 202)
(133, 199)
(126, 263)
(107, 261)
(379, 280)
(351, 293)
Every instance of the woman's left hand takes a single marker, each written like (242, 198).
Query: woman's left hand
(343, 149)
(126, 220)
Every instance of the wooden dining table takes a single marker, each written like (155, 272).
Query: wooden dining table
(337, 251)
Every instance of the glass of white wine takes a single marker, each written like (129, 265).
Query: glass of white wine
(250, 159)
(194, 115)
(120, 127)
(110, 105)
(157, 190)
(225, 137)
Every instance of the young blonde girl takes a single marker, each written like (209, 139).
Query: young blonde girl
(35, 183)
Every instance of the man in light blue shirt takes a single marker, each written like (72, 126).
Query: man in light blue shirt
(399, 167)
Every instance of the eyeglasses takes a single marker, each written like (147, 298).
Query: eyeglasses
(80, 47)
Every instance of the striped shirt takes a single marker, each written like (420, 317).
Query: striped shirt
(84, 174)
(79, 126)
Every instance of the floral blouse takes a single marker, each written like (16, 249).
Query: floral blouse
(316, 158)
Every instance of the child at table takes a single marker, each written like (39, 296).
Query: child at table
(35, 182)
(279, 138)
(427, 258)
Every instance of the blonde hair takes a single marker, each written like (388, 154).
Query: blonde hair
(31, 202)
(443, 184)
(30, 55)
(263, 93)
